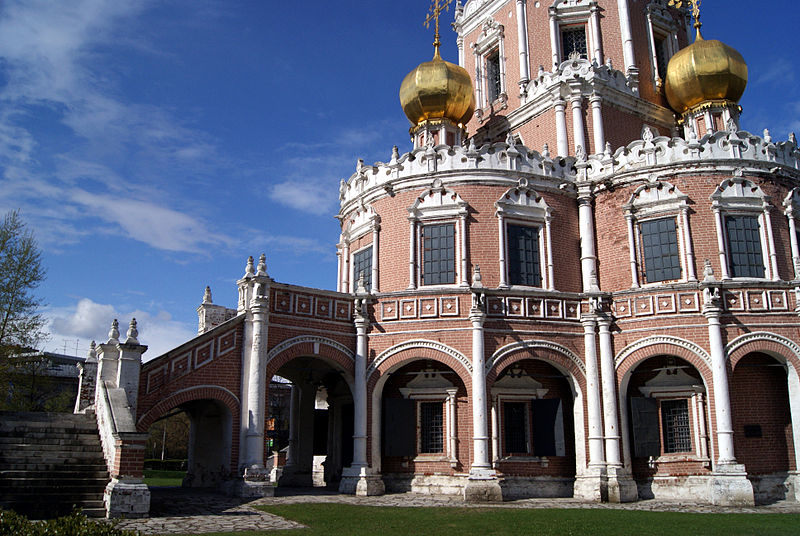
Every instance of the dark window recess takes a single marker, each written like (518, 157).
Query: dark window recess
(753, 430)
(675, 420)
(515, 427)
(744, 246)
(348, 431)
(523, 256)
(431, 425)
(644, 416)
(660, 250)
(439, 254)
(399, 428)
(320, 432)
(573, 40)
(548, 427)
(662, 56)
(362, 264)
(493, 75)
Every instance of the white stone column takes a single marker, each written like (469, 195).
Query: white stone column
(495, 430)
(597, 45)
(627, 35)
(709, 122)
(554, 35)
(412, 254)
(462, 221)
(599, 135)
(719, 372)
(632, 251)
(562, 142)
(586, 228)
(375, 249)
(256, 378)
(501, 50)
(478, 79)
(773, 256)
(609, 383)
(480, 427)
(593, 407)
(795, 247)
(339, 267)
(294, 413)
(522, 43)
(502, 253)
(346, 267)
(661, 77)
(577, 122)
(723, 260)
(460, 45)
(549, 249)
(687, 241)
(360, 394)
(452, 423)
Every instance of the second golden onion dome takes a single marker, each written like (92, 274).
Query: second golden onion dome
(704, 71)
(437, 89)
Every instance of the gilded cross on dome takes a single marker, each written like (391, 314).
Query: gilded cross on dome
(693, 5)
(436, 9)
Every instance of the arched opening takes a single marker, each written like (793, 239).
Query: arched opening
(762, 424)
(532, 430)
(425, 421)
(668, 426)
(320, 423)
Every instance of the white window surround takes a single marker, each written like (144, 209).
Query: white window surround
(364, 220)
(491, 38)
(524, 206)
(515, 386)
(672, 383)
(437, 205)
(791, 207)
(571, 13)
(655, 200)
(431, 386)
(739, 196)
(660, 24)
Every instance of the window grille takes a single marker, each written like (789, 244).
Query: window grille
(523, 256)
(515, 426)
(573, 40)
(662, 56)
(493, 75)
(744, 246)
(660, 250)
(439, 254)
(431, 427)
(675, 422)
(362, 264)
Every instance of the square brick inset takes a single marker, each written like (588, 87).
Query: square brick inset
(226, 343)
(643, 306)
(687, 302)
(534, 307)
(389, 310)
(665, 303)
(342, 310)
(552, 308)
(449, 306)
(204, 354)
(734, 301)
(756, 300)
(180, 366)
(324, 307)
(778, 301)
(514, 307)
(572, 310)
(408, 308)
(156, 378)
(303, 305)
(496, 307)
(427, 307)
(622, 308)
(283, 302)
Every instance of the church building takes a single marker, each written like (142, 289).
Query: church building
(582, 280)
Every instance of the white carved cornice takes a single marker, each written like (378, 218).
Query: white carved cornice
(756, 336)
(419, 343)
(662, 339)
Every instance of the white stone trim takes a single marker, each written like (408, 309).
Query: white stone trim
(747, 338)
(492, 38)
(314, 339)
(662, 339)
(660, 23)
(419, 343)
(193, 388)
(523, 345)
(791, 205)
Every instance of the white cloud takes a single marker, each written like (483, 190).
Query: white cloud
(305, 196)
(88, 320)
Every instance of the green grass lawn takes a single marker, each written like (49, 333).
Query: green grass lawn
(333, 519)
(154, 477)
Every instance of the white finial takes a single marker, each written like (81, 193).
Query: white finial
(608, 149)
(509, 139)
(262, 265)
(792, 138)
(395, 154)
(249, 270)
(113, 333)
(731, 125)
(692, 133)
(767, 137)
(91, 356)
(361, 288)
(609, 64)
(359, 165)
(471, 148)
(580, 154)
(476, 277)
(647, 134)
(546, 151)
(133, 333)
(207, 296)
(708, 271)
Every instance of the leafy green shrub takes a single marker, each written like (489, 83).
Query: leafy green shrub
(75, 524)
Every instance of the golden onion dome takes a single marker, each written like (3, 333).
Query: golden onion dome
(437, 89)
(704, 71)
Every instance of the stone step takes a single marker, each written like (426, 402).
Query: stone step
(40, 416)
(50, 467)
(62, 474)
(38, 435)
(50, 460)
(54, 481)
(23, 444)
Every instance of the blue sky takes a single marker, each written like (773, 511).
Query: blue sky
(153, 146)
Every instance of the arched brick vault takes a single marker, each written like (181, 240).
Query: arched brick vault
(313, 346)
(765, 342)
(199, 392)
(408, 351)
(552, 353)
(633, 354)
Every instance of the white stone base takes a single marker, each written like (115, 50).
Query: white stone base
(293, 478)
(425, 484)
(482, 490)
(793, 486)
(621, 486)
(729, 486)
(361, 482)
(775, 487)
(255, 488)
(127, 498)
(676, 488)
(591, 486)
(528, 487)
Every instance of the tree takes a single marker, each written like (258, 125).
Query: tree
(21, 272)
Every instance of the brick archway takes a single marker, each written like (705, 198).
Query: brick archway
(200, 392)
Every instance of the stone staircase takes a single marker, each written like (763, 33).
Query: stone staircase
(51, 463)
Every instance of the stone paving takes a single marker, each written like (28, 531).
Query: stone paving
(176, 511)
